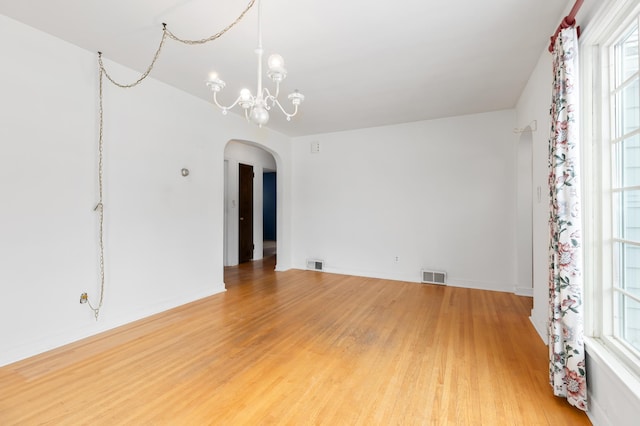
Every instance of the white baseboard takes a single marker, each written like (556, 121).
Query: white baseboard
(541, 328)
(524, 291)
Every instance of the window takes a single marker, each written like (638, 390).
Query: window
(611, 125)
(625, 189)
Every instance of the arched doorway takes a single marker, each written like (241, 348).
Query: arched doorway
(244, 155)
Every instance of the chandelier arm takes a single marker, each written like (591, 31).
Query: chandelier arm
(225, 108)
(295, 111)
(216, 35)
(271, 97)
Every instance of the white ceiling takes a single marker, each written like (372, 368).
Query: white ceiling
(360, 63)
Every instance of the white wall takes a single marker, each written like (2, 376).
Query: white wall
(238, 152)
(534, 106)
(436, 194)
(164, 232)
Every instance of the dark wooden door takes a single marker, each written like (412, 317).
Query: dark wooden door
(245, 214)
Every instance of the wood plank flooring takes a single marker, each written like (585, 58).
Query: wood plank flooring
(301, 348)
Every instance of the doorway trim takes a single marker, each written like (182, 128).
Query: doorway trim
(524, 208)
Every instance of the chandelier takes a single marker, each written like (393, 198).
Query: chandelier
(256, 108)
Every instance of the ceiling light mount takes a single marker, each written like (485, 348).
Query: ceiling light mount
(256, 108)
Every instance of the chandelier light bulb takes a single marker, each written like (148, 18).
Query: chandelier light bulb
(275, 62)
(277, 72)
(245, 95)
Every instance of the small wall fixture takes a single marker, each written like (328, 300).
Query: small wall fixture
(184, 172)
(533, 126)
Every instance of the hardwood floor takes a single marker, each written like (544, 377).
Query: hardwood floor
(298, 348)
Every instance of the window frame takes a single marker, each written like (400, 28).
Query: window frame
(597, 74)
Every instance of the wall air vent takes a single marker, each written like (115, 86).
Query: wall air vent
(315, 264)
(434, 277)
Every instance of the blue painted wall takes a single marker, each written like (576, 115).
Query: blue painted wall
(269, 206)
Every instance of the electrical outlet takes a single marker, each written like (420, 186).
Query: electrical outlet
(397, 259)
(84, 298)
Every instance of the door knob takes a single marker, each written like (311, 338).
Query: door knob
(242, 218)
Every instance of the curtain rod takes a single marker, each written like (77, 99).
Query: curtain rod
(568, 21)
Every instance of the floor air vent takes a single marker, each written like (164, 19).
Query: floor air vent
(434, 277)
(315, 264)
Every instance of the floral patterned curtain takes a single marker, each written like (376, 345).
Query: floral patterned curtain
(567, 372)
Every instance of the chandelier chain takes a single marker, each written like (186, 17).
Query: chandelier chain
(167, 33)
(144, 74)
(102, 74)
(216, 35)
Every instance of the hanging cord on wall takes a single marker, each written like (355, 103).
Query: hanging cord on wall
(103, 73)
(100, 206)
